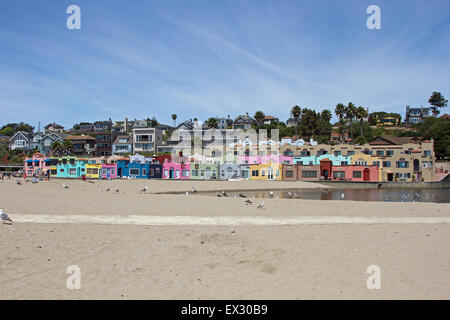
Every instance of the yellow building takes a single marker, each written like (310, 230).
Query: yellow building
(363, 159)
(267, 171)
(93, 170)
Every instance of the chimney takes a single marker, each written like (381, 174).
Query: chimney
(125, 124)
(246, 115)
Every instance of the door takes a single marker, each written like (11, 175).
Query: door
(366, 174)
(229, 173)
(325, 174)
(390, 177)
(208, 173)
(119, 172)
(270, 174)
(416, 165)
(171, 174)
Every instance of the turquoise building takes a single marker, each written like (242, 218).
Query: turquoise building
(315, 160)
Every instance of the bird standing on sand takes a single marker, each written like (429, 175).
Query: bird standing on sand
(218, 195)
(4, 217)
(117, 191)
(342, 195)
(65, 186)
(296, 195)
(187, 193)
(144, 190)
(107, 189)
(194, 190)
(290, 194)
(248, 201)
(224, 194)
(19, 182)
(242, 195)
(261, 205)
(271, 194)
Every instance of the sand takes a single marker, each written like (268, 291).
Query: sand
(324, 260)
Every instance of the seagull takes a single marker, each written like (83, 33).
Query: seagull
(187, 193)
(296, 195)
(65, 186)
(194, 190)
(144, 190)
(271, 194)
(19, 182)
(342, 195)
(242, 195)
(218, 195)
(224, 194)
(107, 189)
(117, 191)
(290, 194)
(4, 217)
(248, 201)
(261, 205)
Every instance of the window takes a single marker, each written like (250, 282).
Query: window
(402, 164)
(263, 173)
(380, 152)
(113, 171)
(376, 163)
(356, 174)
(177, 174)
(386, 164)
(144, 171)
(104, 172)
(350, 152)
(427, 153)
(53, 171)
(185, 173)
(72, 171)
(195, 172)
(289, 173)
(337, 153)
(344, 163)
(309, 174)
(93, 171)
(339, 174)
(166, 174)
(255, 173)
(134, 172)
(390, 152)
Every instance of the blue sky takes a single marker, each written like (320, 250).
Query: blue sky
(216, 58)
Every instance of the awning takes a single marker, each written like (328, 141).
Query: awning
(29, 160)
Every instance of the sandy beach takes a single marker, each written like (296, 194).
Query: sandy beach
(323, 260)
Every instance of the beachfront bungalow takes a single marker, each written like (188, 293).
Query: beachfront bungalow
(204, 171)
(355, 173)
(52, 165)
(70, 167)
(266, 171)
(245, 171)
(229, 171)
(301, 172)
(35, 165)
(138, 170)
(174, 170)
(93, 170)
(155, 171)
(122, 167)
(109, 171)
(337, 159)
(265, 159)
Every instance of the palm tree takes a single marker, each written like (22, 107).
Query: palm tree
(174, 118)
(55, 148)
(212, 123)
(342, 126)
(295, 113)
(361, 113)
(339, 110)
(326, 115)
(259, 117)
(350, 112)
(67, 147)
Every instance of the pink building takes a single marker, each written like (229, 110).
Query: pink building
(109, 171)
(36, 165)
(176, 171)
(354, 173)
(265, 159)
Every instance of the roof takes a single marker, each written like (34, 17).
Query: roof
(128, 137)
(270, 118)
(56, 125)
(82, 137)
(445, 116)
(383, 140)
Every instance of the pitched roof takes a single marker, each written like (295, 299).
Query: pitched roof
(82, 137)
(383, 140)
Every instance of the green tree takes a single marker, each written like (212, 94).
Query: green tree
(326, 115)
(361, 113)
(212, 123)
(437, 101)
(350, 112)
(66, 147)
(340, 110)
(174, 118)
(56, 148)
(259, 117)
(295, 113)
(342, 127)
(439, 130)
